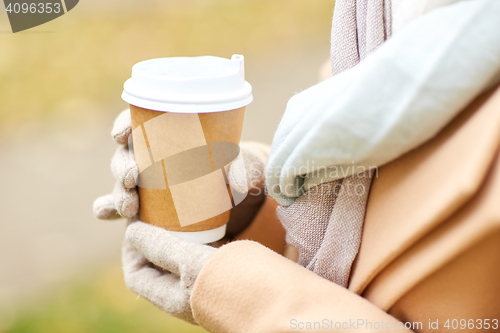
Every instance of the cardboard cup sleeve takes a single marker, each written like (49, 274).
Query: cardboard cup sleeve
(183, 160)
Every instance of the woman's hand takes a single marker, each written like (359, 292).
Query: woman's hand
(162, 268)
(157, 265)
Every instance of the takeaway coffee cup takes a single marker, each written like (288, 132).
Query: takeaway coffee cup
(187, 116)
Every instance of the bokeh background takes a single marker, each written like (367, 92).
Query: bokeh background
(60, 87)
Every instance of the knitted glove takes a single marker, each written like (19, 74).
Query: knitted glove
(163, 268)
(124, 201)
(157, 265)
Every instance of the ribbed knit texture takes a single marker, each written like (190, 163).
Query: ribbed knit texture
(325, 224)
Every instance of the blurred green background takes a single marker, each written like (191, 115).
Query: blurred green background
(60, 87)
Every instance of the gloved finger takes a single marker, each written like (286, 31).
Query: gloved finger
(126, 201)
(122, 128)
(124, 167)
(167, 251)
(104, 208)
(237, 175)
(247, 171)
(161, 288)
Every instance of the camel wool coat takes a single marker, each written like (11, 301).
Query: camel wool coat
(429, 255)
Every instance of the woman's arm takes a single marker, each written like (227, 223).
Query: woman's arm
(246, 288)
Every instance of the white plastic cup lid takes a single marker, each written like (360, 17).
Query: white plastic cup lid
(189, 84)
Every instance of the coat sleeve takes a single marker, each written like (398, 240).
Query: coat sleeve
(246, 288)
(266, 228)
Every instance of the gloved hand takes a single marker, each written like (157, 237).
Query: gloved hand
(124, 201)
(163, 268)
(157, 265)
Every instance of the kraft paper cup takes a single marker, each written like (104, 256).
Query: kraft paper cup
(187, 116)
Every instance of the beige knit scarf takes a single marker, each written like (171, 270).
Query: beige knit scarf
(325, 224)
